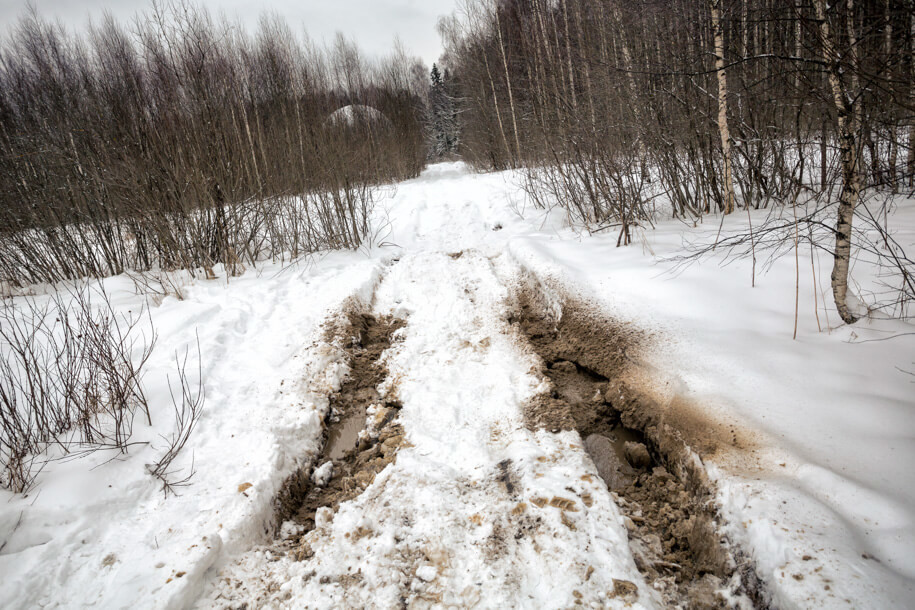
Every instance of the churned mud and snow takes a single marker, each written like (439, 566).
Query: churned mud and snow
(488, 408)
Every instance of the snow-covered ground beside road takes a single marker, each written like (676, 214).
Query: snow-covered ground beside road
(101, 533)
(821, 496)
(824, 498)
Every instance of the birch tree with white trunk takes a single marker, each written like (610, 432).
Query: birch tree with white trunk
(718, 32)
(847, 126)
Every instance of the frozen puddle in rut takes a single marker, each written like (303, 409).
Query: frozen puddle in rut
(481, 454)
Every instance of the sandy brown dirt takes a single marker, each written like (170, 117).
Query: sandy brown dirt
(639, 449)
(355, 460)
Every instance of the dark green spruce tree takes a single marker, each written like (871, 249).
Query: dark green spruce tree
(443, 125)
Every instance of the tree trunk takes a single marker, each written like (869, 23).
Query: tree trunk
(851, 180)
(798, 48)
(585, 64)
(745, 30)
(633, 92)
(565, 15)
(495, 104)
(910, 161)
(888, 51)
(824, 171)
(508, 85)
(718, 30)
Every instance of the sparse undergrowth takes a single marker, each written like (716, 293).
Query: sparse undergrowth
(71, 385)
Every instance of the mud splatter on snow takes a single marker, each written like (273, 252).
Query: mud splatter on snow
(672, 521)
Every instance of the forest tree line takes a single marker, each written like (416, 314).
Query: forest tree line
(711, 104)
(180, 141)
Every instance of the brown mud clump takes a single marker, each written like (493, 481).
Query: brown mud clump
(657, 480)
(361, 433)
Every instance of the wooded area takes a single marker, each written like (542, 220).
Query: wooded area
(711, 105)
(182, 142)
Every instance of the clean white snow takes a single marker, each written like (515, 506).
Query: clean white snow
(829, 476)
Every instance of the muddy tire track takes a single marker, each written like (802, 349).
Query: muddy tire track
(656, 479)
(361, 434)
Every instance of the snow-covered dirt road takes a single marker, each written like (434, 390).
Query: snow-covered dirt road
(455, 520)
(500, 341)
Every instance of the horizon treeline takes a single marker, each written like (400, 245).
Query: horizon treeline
(182, 142)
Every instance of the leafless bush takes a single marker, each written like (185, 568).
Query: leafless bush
(809, 226)
(160, 284)
(896, 267)
(70, 372)
(69, 377)
(188, 409)
(595, 190)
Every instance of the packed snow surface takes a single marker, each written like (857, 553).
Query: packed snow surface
(822, 498)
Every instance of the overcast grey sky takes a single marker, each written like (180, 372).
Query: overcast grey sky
(372, 23)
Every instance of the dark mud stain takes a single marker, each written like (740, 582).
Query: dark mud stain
(508, 478)
(361, 436)
(665, 497)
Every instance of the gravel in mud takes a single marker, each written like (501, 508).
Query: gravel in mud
(670, 518)
(362, 434)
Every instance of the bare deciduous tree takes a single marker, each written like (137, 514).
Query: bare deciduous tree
(185, 143)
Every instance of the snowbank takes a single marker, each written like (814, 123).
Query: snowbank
(100, 532)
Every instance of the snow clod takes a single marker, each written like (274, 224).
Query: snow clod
(323, 517)
(323, 474)
(426, 573)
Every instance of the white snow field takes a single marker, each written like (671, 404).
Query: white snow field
(821, 496)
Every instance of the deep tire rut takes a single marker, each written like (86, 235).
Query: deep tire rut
(666, 500)
(656, 480)
(361, 434)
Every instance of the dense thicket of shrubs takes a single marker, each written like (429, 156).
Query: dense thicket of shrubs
(184, 142)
